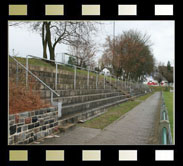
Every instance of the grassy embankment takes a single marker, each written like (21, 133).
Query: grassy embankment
(168, 97)
(42, 63)
(114, 113)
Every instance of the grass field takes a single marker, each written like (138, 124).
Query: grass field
(168, 96)
(113, 113)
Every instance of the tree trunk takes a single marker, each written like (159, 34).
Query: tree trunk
(44, 41)
(50, 46)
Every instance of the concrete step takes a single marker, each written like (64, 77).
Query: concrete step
(67, 86)
(67, 127)
(90, 114)
(119, 87)
(83, 98)
(67, 93)
(88, 105)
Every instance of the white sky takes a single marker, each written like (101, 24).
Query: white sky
(25, 42)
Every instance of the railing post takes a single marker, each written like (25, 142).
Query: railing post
(110, 82)
(130, 85)
(56, 76)
(75, 69)
(96, 80)
(104, 81)
(88, 79)
(51, 96)
(27, 66)
(17, 74)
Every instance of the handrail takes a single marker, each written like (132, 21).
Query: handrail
(75, 67)
(60, 63)
(35, 76)
(165, 131)
(56, 62)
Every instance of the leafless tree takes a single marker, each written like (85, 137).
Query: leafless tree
(84, 52)
(59, 32)
(62, 32)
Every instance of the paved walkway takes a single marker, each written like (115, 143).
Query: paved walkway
(137, 127)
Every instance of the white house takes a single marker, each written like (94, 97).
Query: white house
(105, 71)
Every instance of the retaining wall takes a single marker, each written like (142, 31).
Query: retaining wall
(65, 79)
(27, 127)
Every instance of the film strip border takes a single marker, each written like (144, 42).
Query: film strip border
(89, 155)
(89, 10)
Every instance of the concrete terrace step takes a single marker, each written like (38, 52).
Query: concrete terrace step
(64, 86)
(67, 79)
(89, 114)
(83, 98)
(67, 127)
(118, 87)
(68, 93)
(84, 106)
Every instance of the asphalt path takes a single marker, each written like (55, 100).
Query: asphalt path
(139, 126)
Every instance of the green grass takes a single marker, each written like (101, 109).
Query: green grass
(42, 63)
(168, 97)
(160, 88)
(113, 113)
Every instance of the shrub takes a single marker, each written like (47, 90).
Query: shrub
(22, 99)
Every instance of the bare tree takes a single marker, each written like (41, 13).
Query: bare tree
(62, 32)
(84, 53)
(130, 56)
(59, 32)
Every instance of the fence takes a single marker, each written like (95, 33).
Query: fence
(107, 80)
(165, 131)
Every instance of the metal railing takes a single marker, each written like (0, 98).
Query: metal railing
(59, 104)
(56, 73)
(126, 84)
(164, 128)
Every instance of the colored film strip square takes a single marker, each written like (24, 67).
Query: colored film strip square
(54, 10)
(91, 10)
(20, 10)
(18, 155)
(91, 155)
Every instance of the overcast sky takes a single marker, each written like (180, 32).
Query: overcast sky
(25, 42)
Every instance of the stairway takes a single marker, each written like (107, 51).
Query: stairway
(119, 88)
(84, 102)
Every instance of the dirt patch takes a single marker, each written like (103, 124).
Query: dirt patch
(22, 99)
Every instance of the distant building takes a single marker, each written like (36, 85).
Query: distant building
(149, 80)
(105, 71)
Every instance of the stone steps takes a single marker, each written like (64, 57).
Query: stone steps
(89, 114)
(88, 105)
(66, 127)
(84, 98)
(68, 93)
(66, 86)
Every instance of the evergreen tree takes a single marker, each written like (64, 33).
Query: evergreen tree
(169, 66)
